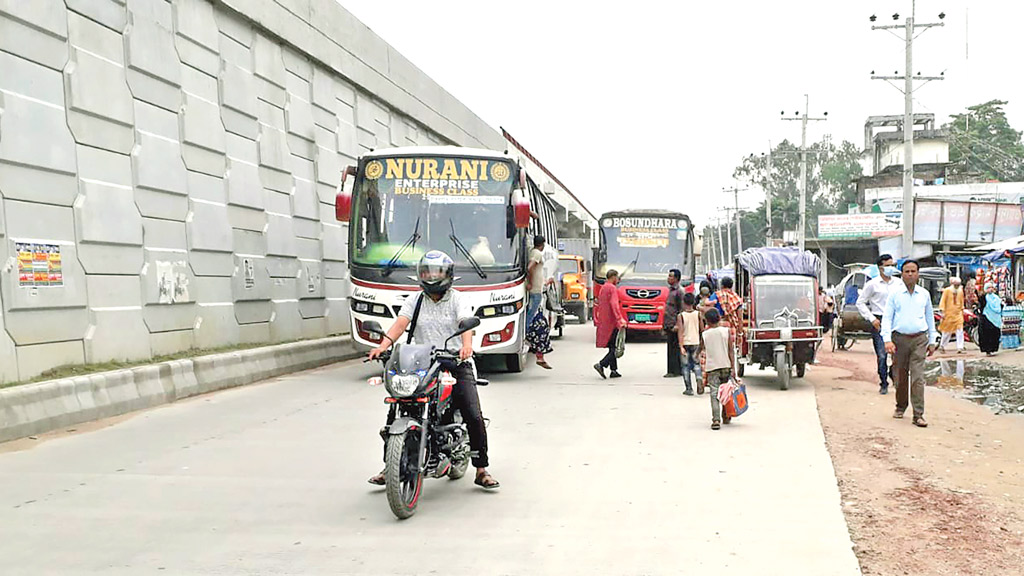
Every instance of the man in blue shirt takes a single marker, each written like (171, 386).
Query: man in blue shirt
(908, 330)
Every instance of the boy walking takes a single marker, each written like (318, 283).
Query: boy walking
(688, 332)
(718, 362)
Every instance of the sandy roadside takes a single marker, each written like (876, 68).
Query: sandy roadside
(948, 499)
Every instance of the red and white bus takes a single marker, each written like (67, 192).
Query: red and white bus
(643, 245)
(473, 204)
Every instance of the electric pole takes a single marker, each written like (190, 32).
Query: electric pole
(768, 197)
(721, 245)
(802, 232)
(707, 255)
(908, 117)
(736, 212)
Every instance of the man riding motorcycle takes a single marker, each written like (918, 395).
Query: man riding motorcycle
(437, 312)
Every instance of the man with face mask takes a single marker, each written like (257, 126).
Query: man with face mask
(871, 305)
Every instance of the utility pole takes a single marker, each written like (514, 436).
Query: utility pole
(721, 245)
(908, 116)
(768, 197)
(736, 212)
(707, 255)
(802, 231)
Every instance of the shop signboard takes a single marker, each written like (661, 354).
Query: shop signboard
(853, 226)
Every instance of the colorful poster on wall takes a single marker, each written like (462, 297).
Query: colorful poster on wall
(39, 265)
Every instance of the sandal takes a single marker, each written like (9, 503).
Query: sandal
(716, 425)
(543, 364)
(486, 481)
(377, 480)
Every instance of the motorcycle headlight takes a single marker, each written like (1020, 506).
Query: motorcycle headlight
(402, 385)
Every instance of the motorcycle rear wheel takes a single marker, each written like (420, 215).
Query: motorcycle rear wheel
(401, 473)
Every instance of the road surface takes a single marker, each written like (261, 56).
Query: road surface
(598, 477)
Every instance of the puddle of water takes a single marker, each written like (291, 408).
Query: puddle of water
(999, 387)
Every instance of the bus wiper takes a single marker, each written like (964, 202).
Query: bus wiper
(411, 242)
(462, 249)
(631, 266)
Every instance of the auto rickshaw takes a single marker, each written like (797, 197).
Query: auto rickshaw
(849, 326)
(779, 288)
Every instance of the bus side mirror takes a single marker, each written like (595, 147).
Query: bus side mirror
(343, 198)
(521, 209)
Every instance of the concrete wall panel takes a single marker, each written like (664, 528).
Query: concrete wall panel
(286, 322)
(253, 312)
(37, 31)
(254, 333)
(251, 280)
(34, 360)
(37, 151)
(100, 110)
(202, 134)
(154, 71)
(109, 13)
(167, 343)
(196, 35)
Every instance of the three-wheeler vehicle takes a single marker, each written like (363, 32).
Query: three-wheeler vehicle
(779, 288)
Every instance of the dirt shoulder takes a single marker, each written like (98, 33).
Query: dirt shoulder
(947, 499)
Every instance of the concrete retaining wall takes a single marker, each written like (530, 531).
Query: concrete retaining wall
(173, 162)
(46, 406)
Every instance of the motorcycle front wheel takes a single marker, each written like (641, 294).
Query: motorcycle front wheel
(402, 473)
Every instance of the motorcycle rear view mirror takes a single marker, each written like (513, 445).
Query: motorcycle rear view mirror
(467, 324)
(373, 327)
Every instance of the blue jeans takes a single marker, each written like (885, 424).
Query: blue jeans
(880, 353)
(533, 307)
(691, 365)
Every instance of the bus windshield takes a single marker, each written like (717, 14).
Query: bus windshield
(656, 244)
(404, 207)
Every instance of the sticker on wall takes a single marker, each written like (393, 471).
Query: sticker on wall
(39, 265)
(172, 281)
(250, 273)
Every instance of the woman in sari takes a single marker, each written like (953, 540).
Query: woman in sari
(990, 321)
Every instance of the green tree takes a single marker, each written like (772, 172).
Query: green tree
(831, 174)
(981, 141)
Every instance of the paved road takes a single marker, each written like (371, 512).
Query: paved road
(599, 477)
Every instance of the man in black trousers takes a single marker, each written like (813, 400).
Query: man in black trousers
(673, 305)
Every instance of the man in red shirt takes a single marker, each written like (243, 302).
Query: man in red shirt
(609, 319)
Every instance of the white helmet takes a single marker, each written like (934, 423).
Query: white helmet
(436, 272)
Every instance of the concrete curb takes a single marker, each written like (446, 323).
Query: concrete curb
(38, 408)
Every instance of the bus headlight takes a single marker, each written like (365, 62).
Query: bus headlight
(500, 309)
(370, 308)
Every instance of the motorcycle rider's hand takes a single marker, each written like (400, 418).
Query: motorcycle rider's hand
(377, 352)
(465, 353)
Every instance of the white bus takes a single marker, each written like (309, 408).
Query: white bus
(473, 204)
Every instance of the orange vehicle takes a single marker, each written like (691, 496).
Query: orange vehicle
(574, 276)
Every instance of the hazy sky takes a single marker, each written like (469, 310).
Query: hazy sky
(652, 104)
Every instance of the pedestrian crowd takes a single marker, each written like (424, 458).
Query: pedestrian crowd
(702, 333)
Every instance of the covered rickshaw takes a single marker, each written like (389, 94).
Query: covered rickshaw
(779, 288)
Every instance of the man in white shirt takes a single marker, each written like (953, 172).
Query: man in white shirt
(871, 305)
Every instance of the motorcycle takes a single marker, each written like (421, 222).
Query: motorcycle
(427, 438)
